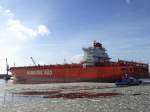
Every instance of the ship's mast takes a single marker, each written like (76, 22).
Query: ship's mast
(7, 67)
(7, 76)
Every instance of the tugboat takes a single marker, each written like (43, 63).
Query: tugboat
(96, 66)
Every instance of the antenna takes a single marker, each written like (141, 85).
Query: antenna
(33, 61)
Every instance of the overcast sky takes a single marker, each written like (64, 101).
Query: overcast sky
(53, 30)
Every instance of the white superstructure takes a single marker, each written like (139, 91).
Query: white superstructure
(95, 55)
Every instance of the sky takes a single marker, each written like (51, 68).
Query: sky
(53, 30)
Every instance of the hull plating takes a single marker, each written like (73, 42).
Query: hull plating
(48, 74)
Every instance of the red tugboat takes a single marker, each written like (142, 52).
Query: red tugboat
(96, 67)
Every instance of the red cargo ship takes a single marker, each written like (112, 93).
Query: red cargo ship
(96, 66)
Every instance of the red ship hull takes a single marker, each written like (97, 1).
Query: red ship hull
(77, 73)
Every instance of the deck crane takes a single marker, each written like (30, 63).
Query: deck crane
(33, 61)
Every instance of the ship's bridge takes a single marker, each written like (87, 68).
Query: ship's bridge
(95, 55)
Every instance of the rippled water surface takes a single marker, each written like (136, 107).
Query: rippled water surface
(73, 97)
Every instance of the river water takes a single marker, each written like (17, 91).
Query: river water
(73, 97)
